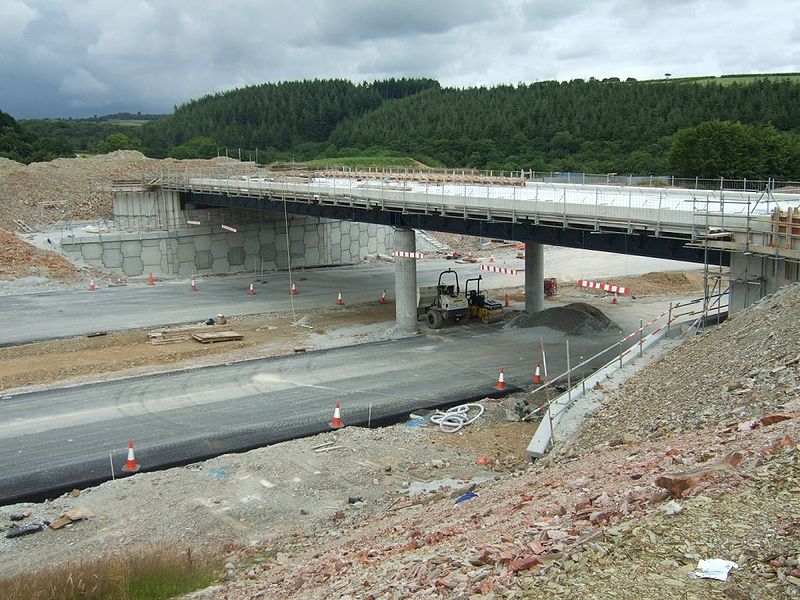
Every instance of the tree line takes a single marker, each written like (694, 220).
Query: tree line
(688, 129)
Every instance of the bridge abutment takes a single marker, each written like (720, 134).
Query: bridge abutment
(534, 277)
(405, 278)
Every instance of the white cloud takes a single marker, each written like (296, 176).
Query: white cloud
(149, 55)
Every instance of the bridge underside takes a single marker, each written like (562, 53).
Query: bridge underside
(606, 240)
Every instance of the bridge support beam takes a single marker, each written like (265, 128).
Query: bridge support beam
(534, 277)
(405, 282)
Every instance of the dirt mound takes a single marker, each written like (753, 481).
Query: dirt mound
(6, 164)
(577, 318)
(664, 282)
(19, 259)
(747, 367)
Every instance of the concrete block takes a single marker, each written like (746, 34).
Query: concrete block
(203, 259)
(345, 256)
(111, 245)
(267, 252)
(266, 234)
(251, 245)
(236, 256)
(151, 257)
(363, 237)
(312, 256)
(219, 249)
(220, 265)
(131, 249)
(372, 245)
(345, 241)
(335, 233)
(280, 260)
(186, 268)
(112, 258)
(234, 240)
(297, 249)
(132, 266)
(311, 237)
(336, 253)
(202, 242)
(92, 251)
(296, 234)
(186, 251)
(355, 249)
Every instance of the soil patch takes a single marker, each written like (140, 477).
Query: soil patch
(577, 318)
(18, 259)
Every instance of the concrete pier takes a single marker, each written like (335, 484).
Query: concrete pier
(534, 277)
(405, 278)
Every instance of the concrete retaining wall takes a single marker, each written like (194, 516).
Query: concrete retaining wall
(209, 249)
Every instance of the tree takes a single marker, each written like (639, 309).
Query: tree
(118, 141)
(713, 149)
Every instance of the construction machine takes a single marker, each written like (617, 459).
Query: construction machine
(443, 301)
(489, 311)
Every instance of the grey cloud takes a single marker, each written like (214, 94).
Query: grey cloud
(79, 57)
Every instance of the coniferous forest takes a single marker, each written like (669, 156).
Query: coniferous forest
(704, 128)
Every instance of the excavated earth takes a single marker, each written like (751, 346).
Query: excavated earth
(695, 458)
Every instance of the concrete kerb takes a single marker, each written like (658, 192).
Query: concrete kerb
(542, 439)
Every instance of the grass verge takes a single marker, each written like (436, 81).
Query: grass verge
(148, 574)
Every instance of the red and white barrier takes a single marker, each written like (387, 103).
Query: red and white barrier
(604, 287)
(403, 254)
(231, 229)
(503, 270)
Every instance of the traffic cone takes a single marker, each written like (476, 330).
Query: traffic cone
(194, 284)
(491, 258)
(151, 280)
(615, 300)
(336, 422)
(251, 291)
(501, 380)
(507, 303)
(92, 286)
(294, 289)
(131, 466)
(537, 374)
(383, 297)
(340, 300)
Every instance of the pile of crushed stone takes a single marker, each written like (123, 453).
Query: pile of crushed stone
(577, 318)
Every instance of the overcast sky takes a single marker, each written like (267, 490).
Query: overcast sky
(83, 57)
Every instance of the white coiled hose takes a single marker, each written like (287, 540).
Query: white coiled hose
(456, 418)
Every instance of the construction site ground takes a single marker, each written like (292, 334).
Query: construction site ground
(694, 456)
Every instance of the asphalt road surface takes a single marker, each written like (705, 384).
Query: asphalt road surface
(33, 317)
(54, 440)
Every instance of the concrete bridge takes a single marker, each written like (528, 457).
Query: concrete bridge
(755, 233)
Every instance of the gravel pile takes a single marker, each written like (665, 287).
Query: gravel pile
(747, 367)
(81, 185)
(577, 318)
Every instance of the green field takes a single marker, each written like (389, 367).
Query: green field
(743, 79)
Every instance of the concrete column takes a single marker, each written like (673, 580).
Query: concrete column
(534, 277)
(405, 282)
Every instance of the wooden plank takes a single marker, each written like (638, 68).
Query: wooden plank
(217, 336)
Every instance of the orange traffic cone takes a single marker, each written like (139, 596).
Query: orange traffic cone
(507, 303)
(501, 380)
(294, 289)
(131, 466)
(92, 286)
(194, 284)
(340, 300)
(251, 291)
(151, 280)
(382, 299)
(615, 300)
(336, 422)
(537, 374)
